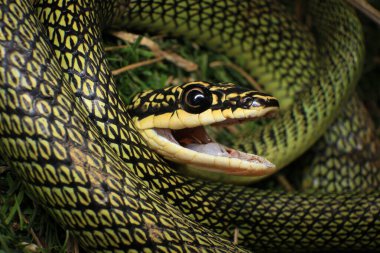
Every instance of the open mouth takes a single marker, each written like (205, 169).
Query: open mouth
(193, 146)
(171, 121)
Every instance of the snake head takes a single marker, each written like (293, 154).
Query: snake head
(172, 121)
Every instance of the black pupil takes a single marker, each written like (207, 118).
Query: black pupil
(196, 98)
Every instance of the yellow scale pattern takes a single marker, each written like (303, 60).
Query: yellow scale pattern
(103, 184)
(77, 182)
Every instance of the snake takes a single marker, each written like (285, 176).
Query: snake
(66, 134)
(171, 120)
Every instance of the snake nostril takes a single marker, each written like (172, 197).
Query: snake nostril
(246, 102)
(257, 102)
(249, 102)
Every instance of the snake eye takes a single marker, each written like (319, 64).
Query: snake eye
(196, 99)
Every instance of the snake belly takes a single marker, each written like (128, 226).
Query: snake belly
(84, 162)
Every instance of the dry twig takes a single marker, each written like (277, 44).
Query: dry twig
(366, 9)
(239, 70)
(284, 182)
(155, 48)
(135, 65)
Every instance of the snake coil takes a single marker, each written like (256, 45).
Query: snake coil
(64, 131)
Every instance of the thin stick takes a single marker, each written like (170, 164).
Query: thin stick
(112, 48)
(76, 246)
(299, 9)
(136, 65)
(155, 48)
(366, 9)
(283, 181)
(239, 70)
(35, 238)
(236, 236)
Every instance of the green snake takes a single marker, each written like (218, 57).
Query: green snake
(171, 121)
(65, 132)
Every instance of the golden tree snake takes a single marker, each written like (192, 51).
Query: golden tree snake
(65, 132)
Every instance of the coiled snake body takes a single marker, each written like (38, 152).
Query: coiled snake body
(65, 132)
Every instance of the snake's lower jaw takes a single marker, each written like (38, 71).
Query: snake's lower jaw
(195, 148)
